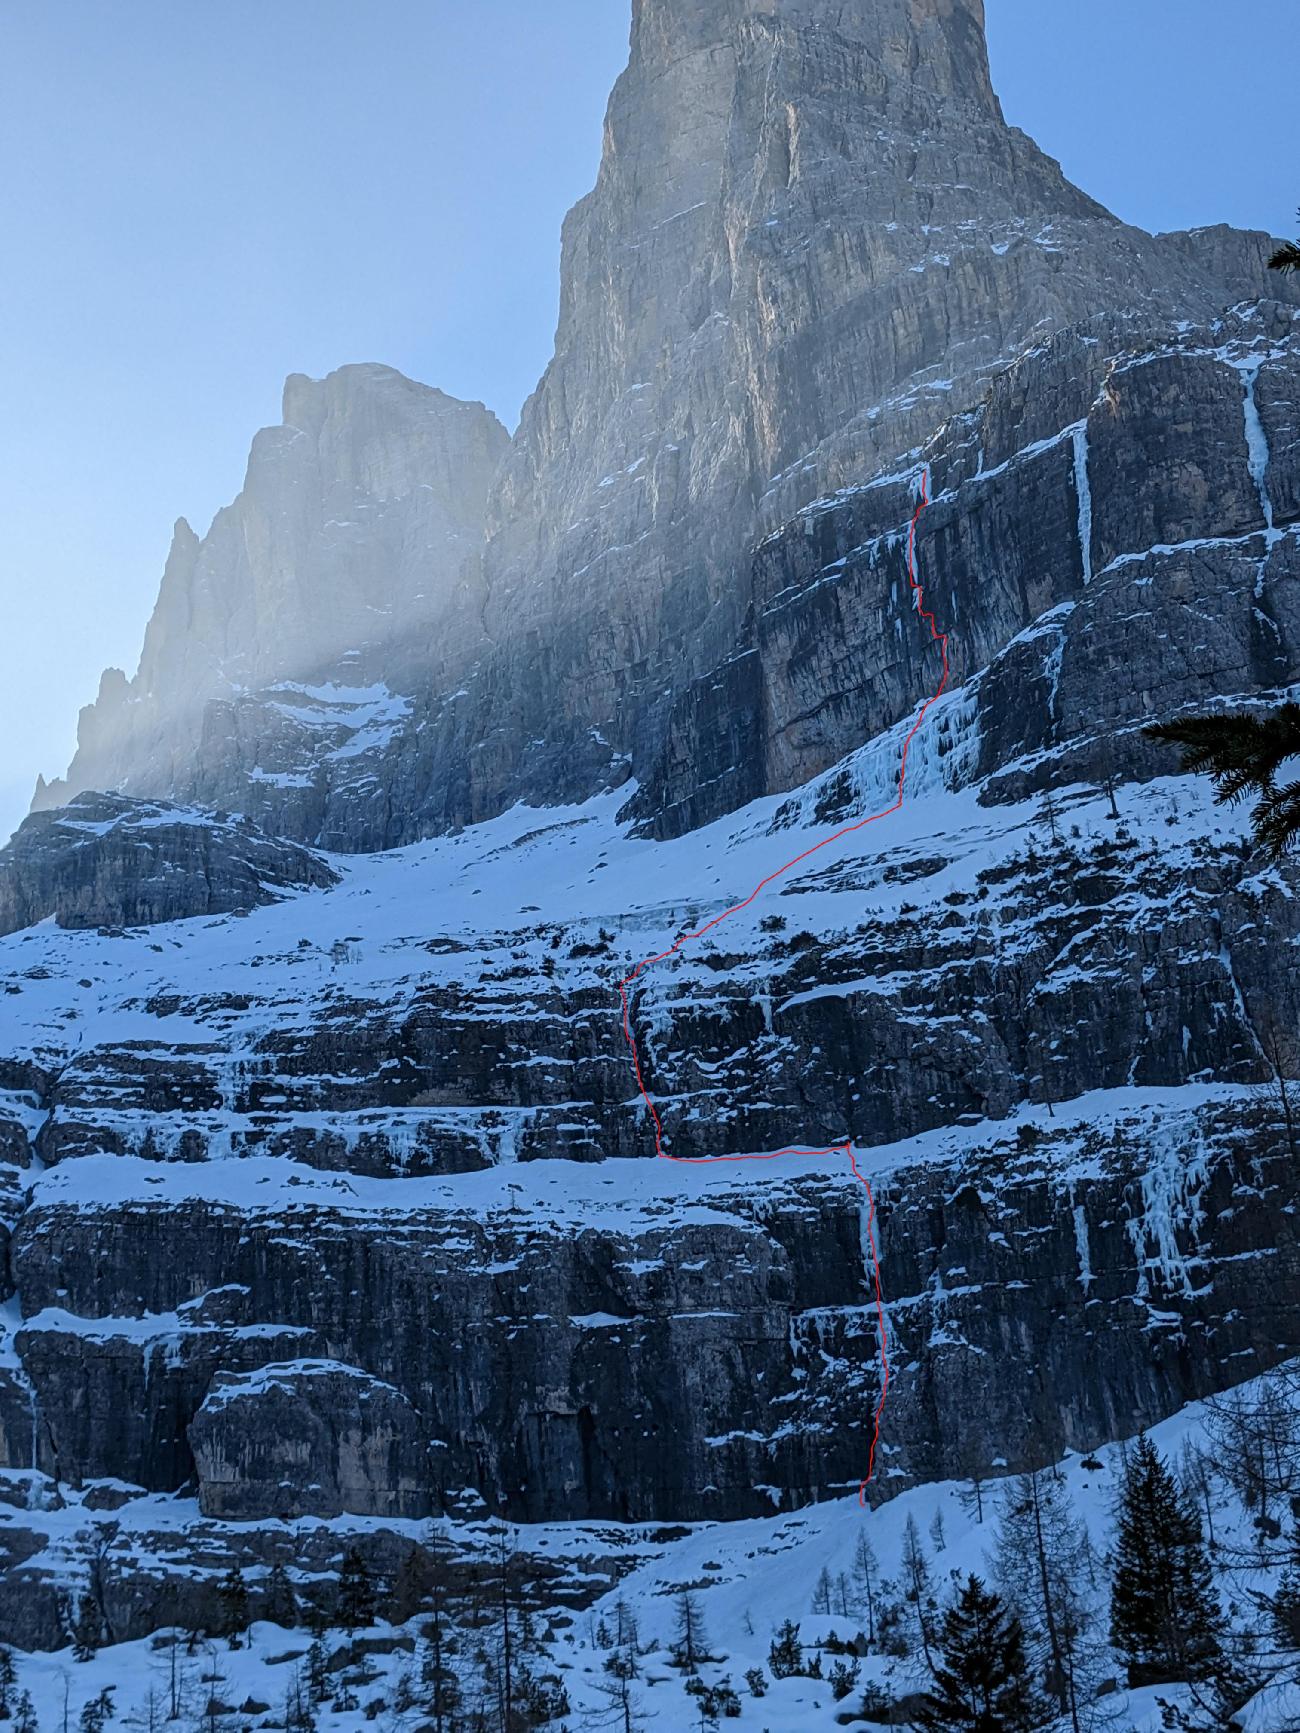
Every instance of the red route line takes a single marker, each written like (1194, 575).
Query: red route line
(846, 1148)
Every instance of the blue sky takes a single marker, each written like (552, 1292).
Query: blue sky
(197, 199)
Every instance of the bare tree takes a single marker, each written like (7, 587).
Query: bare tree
(918, 1590)
(1281, 1051)
(866, 1574)
(1196, 1471)
(1256, 1440)
(692, 1644)
(1044, 1564)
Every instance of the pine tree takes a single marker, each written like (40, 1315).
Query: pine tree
(318, 1674)
(1165, 1617)
(356, 1602)
(619, 1694)
(87, 1629)
(1045, 1565)
(298, 1717)
(1287, 257)
(280, 1606)
(412, 1584)
(98, 1712)
(232, 1603)
(436, 1665)
(982, 1681)
(24, 1714)
(8, 1679)
(1243, 753)
(785, 1657)
(1284, 1610)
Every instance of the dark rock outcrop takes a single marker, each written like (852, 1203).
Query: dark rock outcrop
(105, 860)
(1054, 1291)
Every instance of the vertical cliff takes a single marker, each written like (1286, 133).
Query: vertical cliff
(813, 237)
(335, 568)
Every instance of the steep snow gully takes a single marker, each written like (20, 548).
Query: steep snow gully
(845, 1149)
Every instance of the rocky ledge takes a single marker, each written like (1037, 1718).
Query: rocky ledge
(104, 860)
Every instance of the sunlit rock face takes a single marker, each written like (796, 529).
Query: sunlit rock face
(812, 238)
(334, 1195)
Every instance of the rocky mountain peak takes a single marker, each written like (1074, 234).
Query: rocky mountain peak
(346, 546)
(812, 240)
(939, 44)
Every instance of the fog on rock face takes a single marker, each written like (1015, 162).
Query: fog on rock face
(812, 239)
(341, 1135)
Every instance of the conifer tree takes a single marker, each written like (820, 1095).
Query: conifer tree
(1165, 1617)
(785, 1657)
(1287, 257)
(298, 1717)
(87, 1629)
(1244, 754)
(232, 1602)
(281, 1603)
(982, 1681)
(412, 1584)
(918, 1590)
(24, 1714)
(98, 1712)
(8, 1679)
(1044, 1562)
(866, 1574)
(318, 1675)
(1284, 1610)
(437, 1666)
(356, 1602)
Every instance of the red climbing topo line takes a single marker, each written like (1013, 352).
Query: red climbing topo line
(846, 1148)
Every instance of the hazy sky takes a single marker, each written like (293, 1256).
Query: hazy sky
(198, 197)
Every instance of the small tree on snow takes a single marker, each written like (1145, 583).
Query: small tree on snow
(87, 1629)
(785, 1657)
(356, 1603)
(281, 1603)
(98, 1712)
(691, 1645)
(232, 1602)
(918, 1590)
(866, 1574)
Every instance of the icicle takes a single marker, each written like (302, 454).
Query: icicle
(1083, 488)
(1258, 451)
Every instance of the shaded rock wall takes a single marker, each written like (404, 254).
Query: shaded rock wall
(108, 861)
